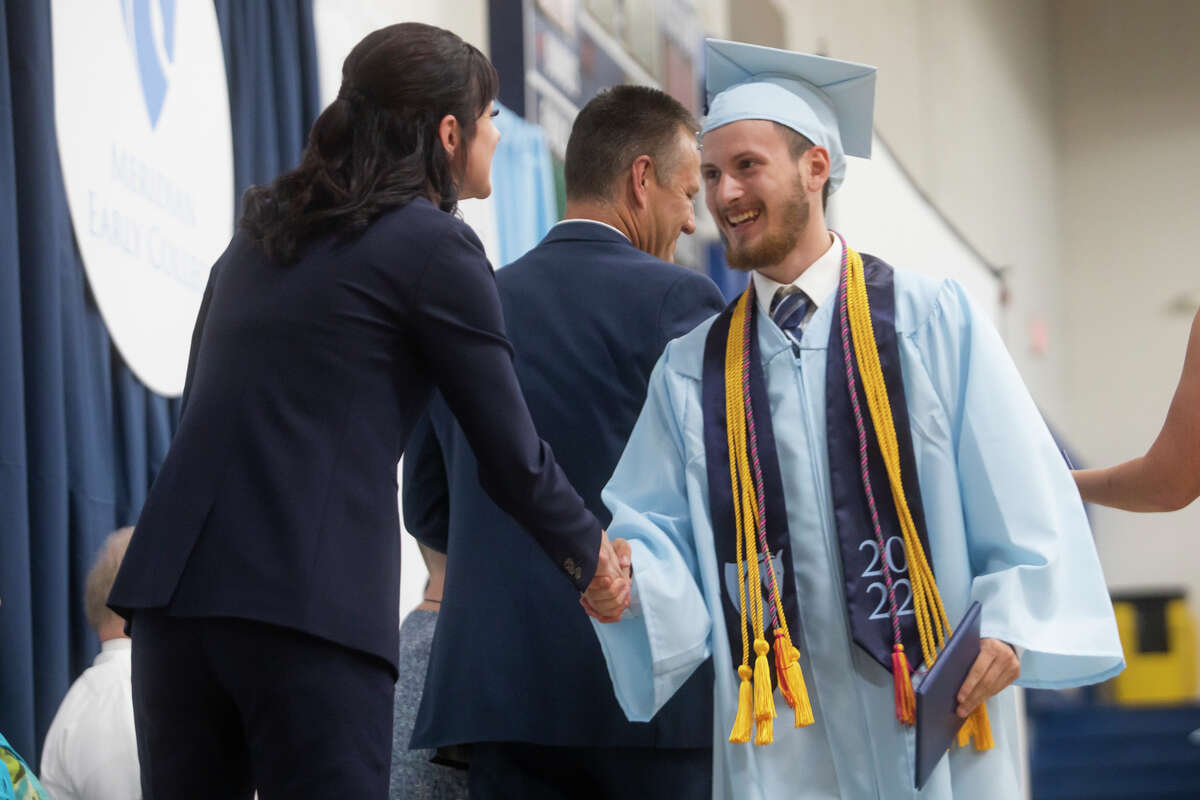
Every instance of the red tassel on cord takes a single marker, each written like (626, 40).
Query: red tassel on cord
(781, 667)
(906, 701)
(791, 680)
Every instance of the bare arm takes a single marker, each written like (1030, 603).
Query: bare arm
(1167, 478)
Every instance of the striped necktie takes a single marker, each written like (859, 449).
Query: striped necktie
(789, 307)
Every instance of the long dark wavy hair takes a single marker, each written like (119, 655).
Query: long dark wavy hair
(377, 147)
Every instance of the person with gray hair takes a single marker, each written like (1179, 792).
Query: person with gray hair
(91, 749)
(516, 675)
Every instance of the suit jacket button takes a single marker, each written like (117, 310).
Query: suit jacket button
(569, 565)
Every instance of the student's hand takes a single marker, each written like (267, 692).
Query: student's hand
(607, 596)
(995, 669)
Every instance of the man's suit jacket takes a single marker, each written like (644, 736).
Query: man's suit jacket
(277, 500)
(514, 657)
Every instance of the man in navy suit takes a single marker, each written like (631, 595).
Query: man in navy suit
(516, 671)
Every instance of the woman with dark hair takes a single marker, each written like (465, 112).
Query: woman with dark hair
(262, 582)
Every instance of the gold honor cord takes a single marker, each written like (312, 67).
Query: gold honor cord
(756, 703)
(932, 624)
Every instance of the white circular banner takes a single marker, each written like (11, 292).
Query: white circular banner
(142, 110)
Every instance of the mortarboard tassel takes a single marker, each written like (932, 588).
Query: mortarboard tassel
(906, 701)
(743, 721)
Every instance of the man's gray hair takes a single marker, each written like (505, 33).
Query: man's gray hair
(615, 128)
(100, 578)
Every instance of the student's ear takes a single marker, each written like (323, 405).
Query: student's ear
(815, 166)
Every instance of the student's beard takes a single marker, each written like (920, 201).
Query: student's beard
(773, 247)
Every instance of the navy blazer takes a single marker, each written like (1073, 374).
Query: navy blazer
(514, 656)
(277, 501)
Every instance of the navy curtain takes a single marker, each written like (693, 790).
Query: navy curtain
(80, 437)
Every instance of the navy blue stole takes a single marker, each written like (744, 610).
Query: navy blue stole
(862, 560)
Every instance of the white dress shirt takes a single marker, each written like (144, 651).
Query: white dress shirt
(818, 281)
(593, 221)
(91, 749)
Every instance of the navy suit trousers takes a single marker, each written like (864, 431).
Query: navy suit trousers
(224, 707)
(520, 771)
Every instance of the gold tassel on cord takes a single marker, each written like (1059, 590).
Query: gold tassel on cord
(744, 719)
(966, 731)
(977, 727)
(764, 698)
(765, 733)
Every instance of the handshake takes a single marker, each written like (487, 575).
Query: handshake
(607, 596)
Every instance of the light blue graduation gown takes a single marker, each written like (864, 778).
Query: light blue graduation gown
(1005, 524)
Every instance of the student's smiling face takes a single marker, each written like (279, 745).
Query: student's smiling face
(755, 190)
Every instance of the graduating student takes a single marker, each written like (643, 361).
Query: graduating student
(827, 474)
(588, 312)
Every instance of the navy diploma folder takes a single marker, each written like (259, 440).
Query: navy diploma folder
(937, 693)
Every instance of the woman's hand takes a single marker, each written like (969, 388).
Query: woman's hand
(607, 596)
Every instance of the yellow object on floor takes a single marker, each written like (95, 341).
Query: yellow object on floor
(1158, 635)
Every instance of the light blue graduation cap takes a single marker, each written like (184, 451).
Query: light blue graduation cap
(831, 102)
